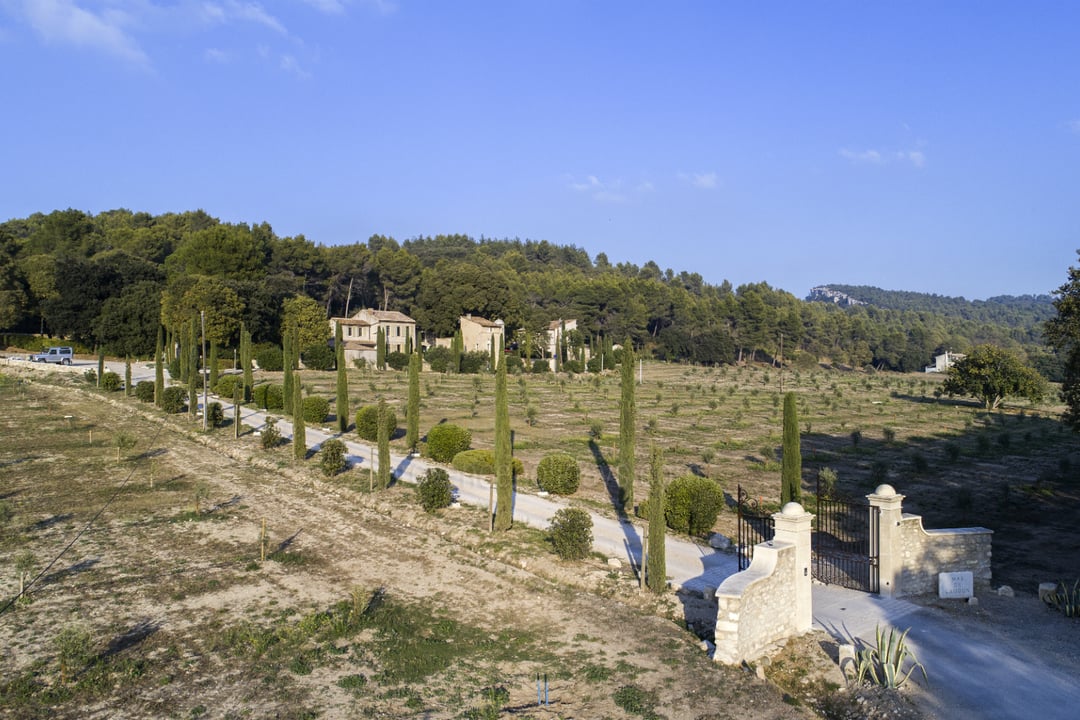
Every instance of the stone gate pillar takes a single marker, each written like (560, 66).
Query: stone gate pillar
(793, 526)
(890, 561)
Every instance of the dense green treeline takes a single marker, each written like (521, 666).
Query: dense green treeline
(1020, 311)
(108, 279)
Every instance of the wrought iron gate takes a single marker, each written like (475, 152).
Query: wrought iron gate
(755, 526)
(844, 544)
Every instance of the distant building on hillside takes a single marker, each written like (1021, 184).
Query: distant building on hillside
(360, 332)
(943, 362)
(477, 334)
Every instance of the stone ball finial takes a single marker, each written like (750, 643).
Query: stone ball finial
(885, 491)
(792, 508)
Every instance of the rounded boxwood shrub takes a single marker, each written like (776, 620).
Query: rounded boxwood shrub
(397, 360)
(318, 357)
(258, 395)
(558, 473)
(434, 490)
(144, 390)
(474, 361)
(438, 358)
(275, 397)
(514, 364)
(540, 366)
(692, 504)
(227, 385)
(481, 462)
(215, 415)
(268, 357)
(110, 381)
(316, 409)
(446, 440)
(332, 457)
(174, 399)
(367, 422)
(570, 533)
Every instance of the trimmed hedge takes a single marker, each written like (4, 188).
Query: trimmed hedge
(318, 357)
(438, 359)
(144, 390)
(226, 386)
(481, 462)
(110, 381)
(332, 457)
(174, 399)
(367, 422)
(446, 440)
(434, 490)
(397, 360)
(558, 473)
(215, 415)
(692, 504)
(275, 397)
(570, 533)
(540, 366)
(268, 357)
(315, 409)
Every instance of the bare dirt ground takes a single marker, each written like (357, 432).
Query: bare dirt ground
(181, 617)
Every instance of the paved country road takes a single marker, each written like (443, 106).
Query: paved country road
(976, 672)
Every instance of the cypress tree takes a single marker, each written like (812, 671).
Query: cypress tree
(193, 368)
(456, 348)
(408, 343)
(504, 468)
(791, 467)
(100, 364)
(627, 418)
(213, 364)
(238, 392)
(656, 572)
(494, 363)
(380, 349)
(128, 390)
(159, 368)
(412, 431)
(287, 378)
(383, 437)
(245, 362)
(341, 409)
(299, 434)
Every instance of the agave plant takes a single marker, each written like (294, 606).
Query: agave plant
(1066, 600)
(890, 663)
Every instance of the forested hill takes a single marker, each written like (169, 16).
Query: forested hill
(111, 279)
(1011, 310)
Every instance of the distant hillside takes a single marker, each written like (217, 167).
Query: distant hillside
(1025, 311)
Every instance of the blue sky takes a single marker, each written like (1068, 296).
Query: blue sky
(923, 146)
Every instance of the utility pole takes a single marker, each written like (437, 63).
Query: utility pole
(205, 407)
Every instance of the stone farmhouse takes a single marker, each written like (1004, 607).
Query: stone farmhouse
(477, 334)
(943, 362)
(360, 332)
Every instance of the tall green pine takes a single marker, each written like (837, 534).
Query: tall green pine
(299, 432)
(383, 437)
(656, 570)
(412, 428)
(791, 467)
(504, 467)
(627, 435)
(341, 409)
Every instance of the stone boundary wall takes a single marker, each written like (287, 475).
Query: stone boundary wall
(925, 553)
(754, 607)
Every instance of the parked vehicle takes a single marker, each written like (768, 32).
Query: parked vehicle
(62, 355)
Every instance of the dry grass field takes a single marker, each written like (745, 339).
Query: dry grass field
(364, 606)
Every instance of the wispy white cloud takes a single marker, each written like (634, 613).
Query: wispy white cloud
(65, 22)
(254, 12)
(289, 64)
(1073, 126)
(610, 191)
(915, 158)
(215, 55)
(701, 180)
(330, 7)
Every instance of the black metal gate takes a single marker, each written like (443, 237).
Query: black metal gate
(755, 526)
(844, 544)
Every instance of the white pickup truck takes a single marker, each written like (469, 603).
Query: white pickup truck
(60, 355)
